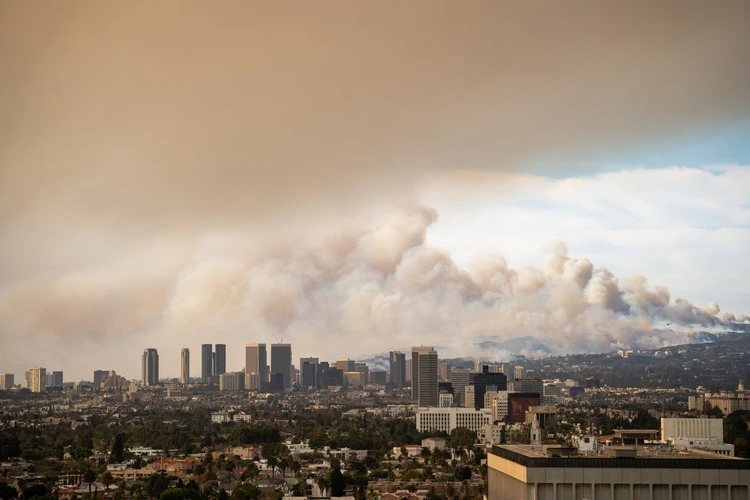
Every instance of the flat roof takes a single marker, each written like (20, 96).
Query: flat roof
(648, 458)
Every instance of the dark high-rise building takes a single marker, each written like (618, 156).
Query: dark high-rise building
(207, 365)
(256, 363)
(459, 381)
(57, 379)
(377, 377)
(220, 363)
(308, 369)
(322, 375)
(519, 402)
(99, 376)
(424, 376)
(281, 362)
(150, 367)
(487, 381)
(528, 385)
(398, 369)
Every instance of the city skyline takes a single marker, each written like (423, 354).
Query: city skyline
(478, 180)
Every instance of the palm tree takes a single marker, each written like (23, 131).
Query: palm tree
(323, 483)
(89, 476)
(106, 478)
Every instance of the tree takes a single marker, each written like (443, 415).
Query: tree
(89, 476)
(715, 412)
(118, 449)
(338, 485)
(106, 478)
(223, 494)
(7, 491)
(246, 492)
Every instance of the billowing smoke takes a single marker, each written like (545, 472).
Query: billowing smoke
(355, 292)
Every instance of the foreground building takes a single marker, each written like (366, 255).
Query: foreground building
(550, 473)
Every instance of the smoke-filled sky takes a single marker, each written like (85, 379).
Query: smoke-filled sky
(355, 177)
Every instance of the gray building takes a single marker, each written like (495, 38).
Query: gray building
(220, 359)
(281, 362)
(459, 379)
(424, 376)
(398, 369)
(7, 381)
(207, 363)
(99, 376)
(150, 367)
(308, 370)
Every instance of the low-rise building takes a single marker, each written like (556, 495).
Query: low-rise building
(447, 419)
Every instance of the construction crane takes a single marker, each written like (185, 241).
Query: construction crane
(278, 340)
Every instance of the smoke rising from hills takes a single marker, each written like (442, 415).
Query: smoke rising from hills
(360, 290)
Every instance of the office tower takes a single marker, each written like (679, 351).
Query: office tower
(57, 379)
(459, 381)
(445, 372)
(535, 385)
(308, 372)
(150, 367)
(50, 380)
(185, 365)
(377, 377)
(424, 376)
(484, 382)
(398, 369)
(37, 381)
(281, 362)
(345, 365)
(99, 376)
(207, 365)
(256, 363)
(322, 375)
(220, 359)
(407, 370)
(518, 372)
(361, 367)
(7, 381)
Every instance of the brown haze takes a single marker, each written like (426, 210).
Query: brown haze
(171, 172)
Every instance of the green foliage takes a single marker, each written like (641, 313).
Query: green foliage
(644, 420)
(463, 473)
(736, 432)
(180, 494)
(246, 492)
(715, 412)
(7, 491)
(35, 491)
(223, 494)
(118, 449)
(155, 485)
(337, 483)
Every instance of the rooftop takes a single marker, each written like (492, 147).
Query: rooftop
(646, 457)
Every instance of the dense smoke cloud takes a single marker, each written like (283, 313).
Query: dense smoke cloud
(358, 291)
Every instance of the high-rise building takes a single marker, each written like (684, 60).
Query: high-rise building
(445, 372)
(345, 365)
(281, 362)
(150, 367)
(518, 372)
(207, 365)
(361, 367)
(528, 385)
(7, 381)
(308, 372)
(220, 363)
(407, 371)
(185, 365)
(398, 369)
(256, 363)
(99, 376)
(487, 381)
(232, 382)
(57, 379)
(424, 376)
(459, 380)
(37, 379)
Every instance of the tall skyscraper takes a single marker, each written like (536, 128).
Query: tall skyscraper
(207, 365)
(484, 382)
(361, 367)
(308, 368)
(459, 380)
(220, 365)
(57, 379)
(445, 372)
(518, 372)
(398, 369)
(37, 379)
(256, 363)
(185, 365)
(345, 365)
(150, 367)
(7, 381)
(281, 362)
(99, 376)
(424, 376)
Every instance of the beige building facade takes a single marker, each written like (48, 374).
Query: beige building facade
(530, 473)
